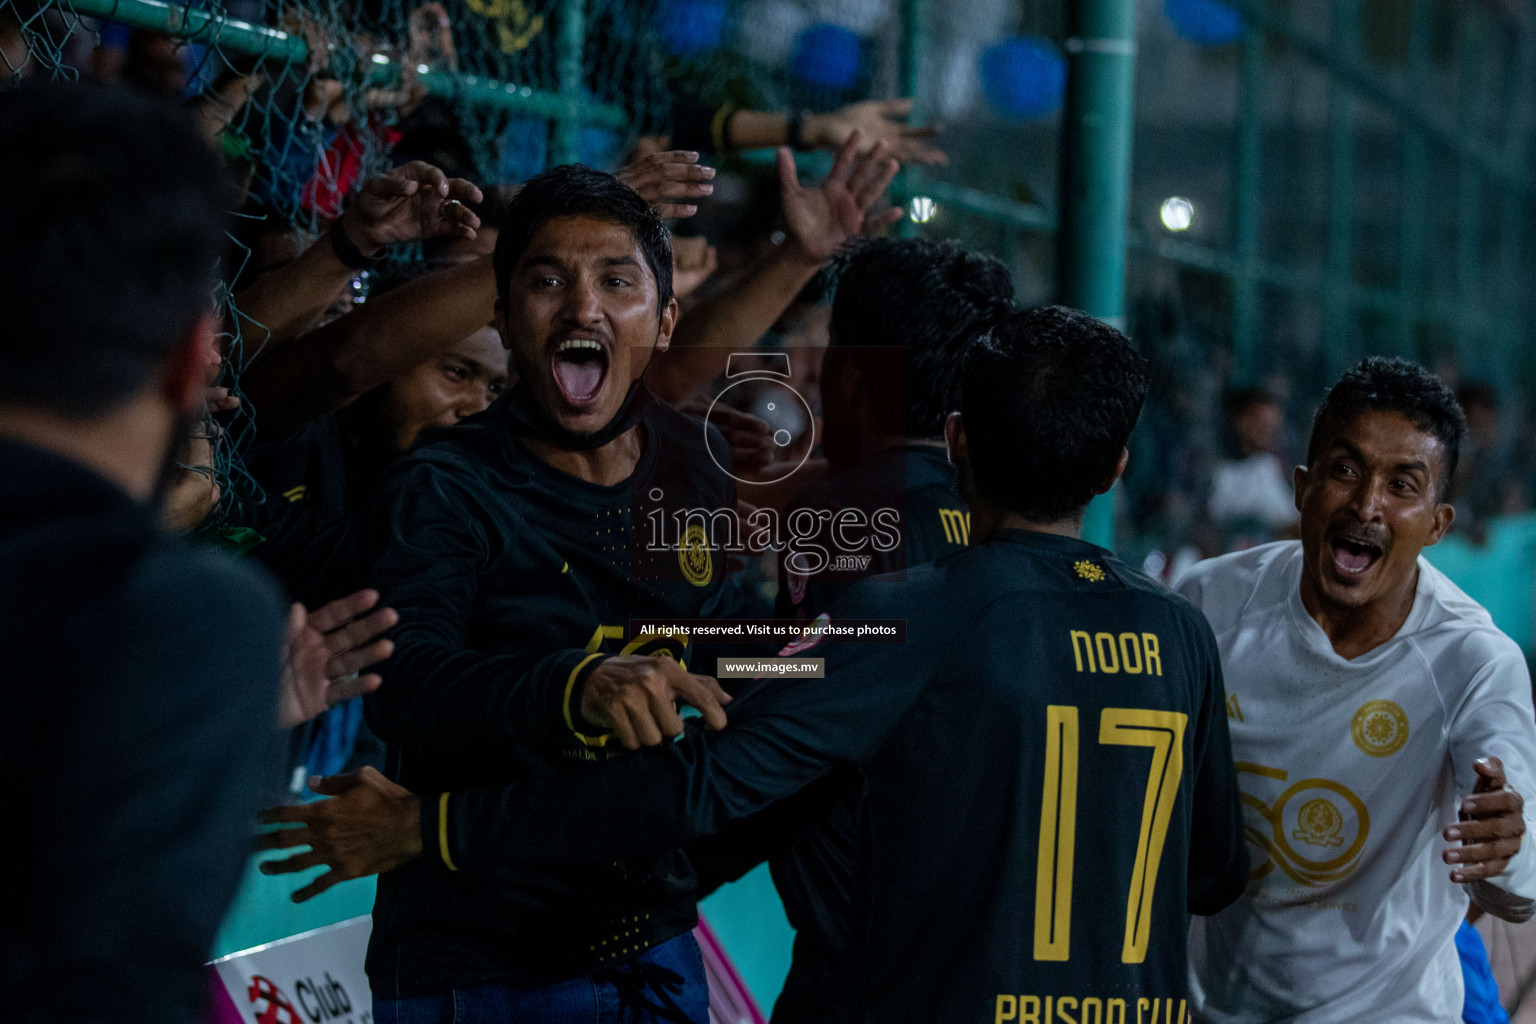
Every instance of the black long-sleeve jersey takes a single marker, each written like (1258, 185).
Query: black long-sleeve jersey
(138, 683)
(815, 875)
(810, 840)
(512, 578)
(1049, 787)
(315, 480)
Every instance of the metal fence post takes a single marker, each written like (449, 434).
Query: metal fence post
(1096, 156)
(1095, 177)
(568, 61)
(233, 36)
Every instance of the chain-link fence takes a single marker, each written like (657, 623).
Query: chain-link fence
(1313, 180)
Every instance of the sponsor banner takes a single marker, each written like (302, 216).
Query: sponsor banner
(317, 978)
(312, 978)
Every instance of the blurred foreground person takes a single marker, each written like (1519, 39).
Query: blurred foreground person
(1039, 676)
(1371, 704)
(141, 684)
(140, 674)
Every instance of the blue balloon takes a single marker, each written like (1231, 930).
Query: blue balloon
(1024, 78)
(688, 28)
(1207, 22)
(524, 149)
(600, 148)
(827, 56)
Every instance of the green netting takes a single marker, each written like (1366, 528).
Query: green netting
(307, 100)
(1356, 169)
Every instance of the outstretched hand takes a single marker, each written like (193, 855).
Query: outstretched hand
(821, 219)
(411, 203)
(668, 181)
(1490, 826)
(324, 651)
(879, 121)
(369, 826)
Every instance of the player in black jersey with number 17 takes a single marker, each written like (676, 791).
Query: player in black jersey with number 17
(1050, 782)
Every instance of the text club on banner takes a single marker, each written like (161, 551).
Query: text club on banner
(306, 979)
(317, 978)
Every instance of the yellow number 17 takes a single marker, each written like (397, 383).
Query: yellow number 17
(1163, 731)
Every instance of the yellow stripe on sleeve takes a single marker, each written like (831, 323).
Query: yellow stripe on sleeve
(570, 685)
(717, 125)
(442, 832)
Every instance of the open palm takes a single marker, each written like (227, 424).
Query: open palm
(821, 219)
(883, 121)
(324, 651)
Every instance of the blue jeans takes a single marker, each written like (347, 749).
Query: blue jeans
(663, 985)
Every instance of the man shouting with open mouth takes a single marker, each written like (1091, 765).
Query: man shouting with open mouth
(510, 549)
(1382, 729)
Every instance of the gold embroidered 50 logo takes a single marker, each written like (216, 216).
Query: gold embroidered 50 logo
(1314, 831)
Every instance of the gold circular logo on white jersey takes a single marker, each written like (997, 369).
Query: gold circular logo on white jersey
(1319, 823)
(1379, 728)
(1328, 822)
(694, 558)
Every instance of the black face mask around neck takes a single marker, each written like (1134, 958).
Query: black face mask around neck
(528, 420)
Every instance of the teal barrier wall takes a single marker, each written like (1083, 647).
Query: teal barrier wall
(747, 916)
(749, 919)
(1500, 575)
(262, 912)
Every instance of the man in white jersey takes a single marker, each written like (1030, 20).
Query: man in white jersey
(1381, 725)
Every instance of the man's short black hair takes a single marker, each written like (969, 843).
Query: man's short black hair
(112, 223)
(576, 191)
(931, 297)
(1380, 384)
(1049, 396)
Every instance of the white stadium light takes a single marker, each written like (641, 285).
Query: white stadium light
(923, 209)
(1177, 213)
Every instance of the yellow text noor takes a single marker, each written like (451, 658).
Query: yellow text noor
(1088, 1010)
(1112, 653)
